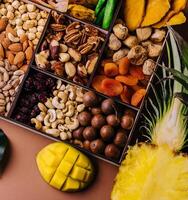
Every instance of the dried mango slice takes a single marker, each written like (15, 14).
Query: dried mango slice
(64, 167)
(164, 21)
(177, 19)
(177, 6)
(134, 13)
(155, 11)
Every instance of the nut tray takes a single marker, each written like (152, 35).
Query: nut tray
(48, 75)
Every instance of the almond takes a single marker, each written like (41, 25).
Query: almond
(10, 57)
(6, 43)
(29, 53)
(25, 45)
(24, 68)
(9, 29)
(16, 47)
(3, 24)
(31, 44)
(2, 36)
(19, 58)
(2, 54)
(23, 38)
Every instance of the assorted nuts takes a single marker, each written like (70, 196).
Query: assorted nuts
(58, 115)
(70, 49)
(10, 78)
(26, 19)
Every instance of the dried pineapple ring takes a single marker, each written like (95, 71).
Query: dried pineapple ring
(64, 167)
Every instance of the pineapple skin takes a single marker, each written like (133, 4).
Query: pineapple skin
(152, 173)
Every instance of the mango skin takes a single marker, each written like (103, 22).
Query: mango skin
(64, 167)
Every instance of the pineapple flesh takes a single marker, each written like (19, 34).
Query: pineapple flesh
(152, 173)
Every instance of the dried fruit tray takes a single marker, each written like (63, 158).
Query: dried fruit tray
(45, 85)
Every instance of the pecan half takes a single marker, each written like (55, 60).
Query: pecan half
(58, 27)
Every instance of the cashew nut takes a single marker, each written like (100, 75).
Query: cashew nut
(42, 107)
(59, 114)
(46, 120)
(44, 128)
(71, 124)
(63, 96)
(12, 38)
(49, 103)
(63, 136)
(53, 132)
(79, 95)
(80, 107)
(59, 83)
(38, 124)
(52, 113)
(70, 112)
(62, 128)
(57, 122)
(41, 116)
(57, 104)
(72, 92)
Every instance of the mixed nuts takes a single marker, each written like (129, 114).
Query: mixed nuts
(70, 49)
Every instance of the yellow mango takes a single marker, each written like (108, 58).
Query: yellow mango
(155, 11)
(64, 167)
(134, 13)
(177, 19)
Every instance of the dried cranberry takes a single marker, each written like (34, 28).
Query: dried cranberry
(34, 98)
(50, 83)
(24, 110)
(42, 97)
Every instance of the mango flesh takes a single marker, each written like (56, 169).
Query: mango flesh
(64, 167)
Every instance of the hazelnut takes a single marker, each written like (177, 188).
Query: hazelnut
(78, 133)
(89, 133)
(84, 118)
(107, 133)
(87, 145)
(98, 121)
(120, 138)
(96, 111)
(97, 146)
(112, 151)
(113, 120)
(90, 99)
(127, 122)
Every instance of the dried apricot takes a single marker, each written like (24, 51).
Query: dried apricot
(124, 65)
(127, 80)
(106, 61)
(112, 87)
(97, 82)
(137, 97)
(111, 69)
(125, 95)
(137, 72)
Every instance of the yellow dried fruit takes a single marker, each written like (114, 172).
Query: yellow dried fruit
(134, 13)
(19, 58)
(16, 47)
(64, 167)
(81, 12)
(179, 5)
(155, 11)
(177, 19)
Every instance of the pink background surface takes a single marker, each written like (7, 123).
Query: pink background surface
(22, 181)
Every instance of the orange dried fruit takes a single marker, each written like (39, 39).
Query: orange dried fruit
(137, 97)
(137, 72)
(111, 87)
(97, 83)
(111, 69)
(125, 95)
(127, 80)
(124, 65)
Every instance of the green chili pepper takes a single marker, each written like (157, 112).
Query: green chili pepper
(3, 146)
(100, 17)
(99, 6)
(108, 15)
